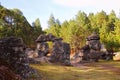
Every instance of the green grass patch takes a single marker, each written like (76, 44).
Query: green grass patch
(92, 71)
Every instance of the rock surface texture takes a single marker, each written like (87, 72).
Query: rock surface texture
(12, 53)
(60, 51)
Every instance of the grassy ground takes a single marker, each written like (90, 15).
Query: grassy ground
(102, 70)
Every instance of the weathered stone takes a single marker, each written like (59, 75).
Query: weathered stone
(94, 55)
(57, 51)
(60, 51)
(93, 36)
(93, 41)
(93, 49)
(42, 49)
(44, 38)
(94, 44)
(41, 38)
(66, 54)
(117, 56)
(7, 74)
(50, 37)
(12, 51)
(31, 53)
(85, 51)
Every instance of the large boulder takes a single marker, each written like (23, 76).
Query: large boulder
(93, 36)
(94, 41)
(93, 50)
(41, 38)
(12, 51)
(60, 52)
(7, 74)
(116, 56)
(42, 49)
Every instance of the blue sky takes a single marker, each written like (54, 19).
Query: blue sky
(61, 9)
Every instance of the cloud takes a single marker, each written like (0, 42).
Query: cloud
(83, 3)
(70, 3)
(91, 5)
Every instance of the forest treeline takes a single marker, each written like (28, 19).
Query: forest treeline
(14, 23)
(74, 31)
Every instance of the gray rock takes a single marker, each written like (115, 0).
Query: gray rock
(60, 51)
(12, 51)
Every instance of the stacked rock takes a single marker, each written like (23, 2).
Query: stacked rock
(7, 74)
(43, 49)
(91, 51)
(57, 50)
(45, 38)
(66, 53)
(94, 41)
(50, 37)
(60, 51)
(12, 52)
(42, 45)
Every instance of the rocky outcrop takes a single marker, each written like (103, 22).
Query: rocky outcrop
(60, 50)
(92, 51)
(7, 74)
(12, 51)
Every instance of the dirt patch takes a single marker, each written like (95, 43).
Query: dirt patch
(81, 65)
(109, 67)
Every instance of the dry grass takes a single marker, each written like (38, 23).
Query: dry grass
(93, 71)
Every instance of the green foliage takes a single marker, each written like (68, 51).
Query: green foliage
(13, 23)
(51, 21)
(37, 29)
(76, 30)
(54, 26)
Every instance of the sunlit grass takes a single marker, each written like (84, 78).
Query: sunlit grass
(90, 72)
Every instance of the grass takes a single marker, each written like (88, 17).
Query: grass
(91, 71)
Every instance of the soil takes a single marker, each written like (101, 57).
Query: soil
(109, 67)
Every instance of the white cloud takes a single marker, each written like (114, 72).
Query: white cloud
(92, 5)
(70, 3)
(83, 3)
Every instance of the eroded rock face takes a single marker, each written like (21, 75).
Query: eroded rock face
(94, 47)
(93, 41)
(7, 74)
(45, 38)
(12, 52)
(92, 51)
(60, 50)
(43, 49)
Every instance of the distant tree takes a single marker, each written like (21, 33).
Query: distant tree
(64, 32)
(93, 25)
(37, 28)
(101, 18)
(37, 25)
(51, 21)
(111, 20)
(82, 20)
(17, 11)
(54, 26)
(13, 23)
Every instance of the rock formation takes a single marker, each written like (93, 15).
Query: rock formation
(60, 50)
(12, 52)
(92, 51)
